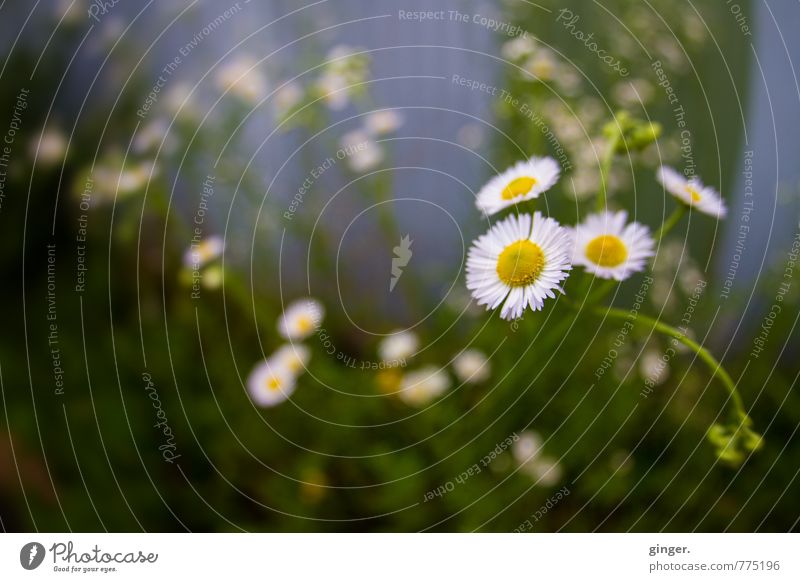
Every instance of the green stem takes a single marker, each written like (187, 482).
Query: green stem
(671, 221)
(602, 290)
(605, 169)
(703, 353)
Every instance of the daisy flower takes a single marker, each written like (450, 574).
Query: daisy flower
(363, 153)
(526, 447)
(51, 148)
(242, 78)
(471, 366)
(522, 181)
(289, 95)
(518, 263)
(609, 248)
(424, 385)
(383, 122)
(203, 252)
(269, 384)
(301, 319)
(692, 192)
(291, 357)
(399, 345)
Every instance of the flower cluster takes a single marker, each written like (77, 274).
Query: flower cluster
(525, 258)
(425, 384)
(275, 379)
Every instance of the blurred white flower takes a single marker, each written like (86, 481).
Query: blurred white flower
(343, 73)
(399, 345)
(518, 48)
(51, 149)
(334, 90)
(179, 99)
(471, 136)
(269, 385)
(110, 180)
(301, 318)
(200, 254)
(383, 122)
(692, 192)
(542, 65)
(285, 98)
(72, 11)
(527, 447)
(363, 153)
(424, 385)
(632, 93)
(212, 277)
(545, 471)
(152, 135)
(527, 452)
(292, 357)
(584, 182)
(241, 77)
(653, 367)
(471, 366)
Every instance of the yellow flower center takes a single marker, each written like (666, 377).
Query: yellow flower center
(304, 324)
(518, 187)
(693, 193)
(607, 251)
(273, 383)
(520, 263)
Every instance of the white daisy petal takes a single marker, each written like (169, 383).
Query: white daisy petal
(291, 357)
(301, 319)
(424, 385)
(270, 384)
(608, 248)
(692, 192)
(399, 345)
(471, 366)
(522, 181)
(519, 262)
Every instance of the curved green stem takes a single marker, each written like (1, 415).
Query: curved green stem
(671, 221)
(605, 170)
(702, 353)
